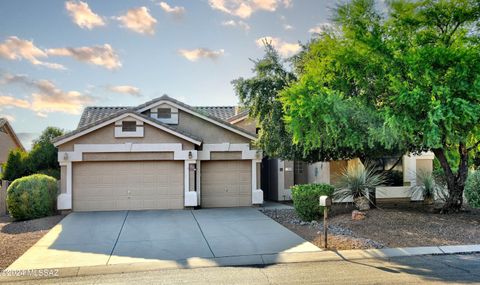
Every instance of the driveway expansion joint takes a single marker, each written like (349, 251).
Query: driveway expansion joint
(118, 237)
(203, 235)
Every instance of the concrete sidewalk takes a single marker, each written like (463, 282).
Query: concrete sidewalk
(252, 260)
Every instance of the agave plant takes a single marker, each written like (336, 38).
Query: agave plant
(356, 182)
(428, 188)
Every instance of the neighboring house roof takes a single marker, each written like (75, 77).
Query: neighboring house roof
(121, 114)
(221, 112)
(5, 124)
(92, 117)
(238, 117)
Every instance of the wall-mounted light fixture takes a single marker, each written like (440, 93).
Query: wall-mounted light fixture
(190, 155)
(65, 156)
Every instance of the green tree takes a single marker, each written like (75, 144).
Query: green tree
(15, 166)
(43, 155)
(259, 94)
(346, 139)
(415, 67)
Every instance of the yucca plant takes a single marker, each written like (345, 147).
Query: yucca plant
(427, 187)
(355, 182)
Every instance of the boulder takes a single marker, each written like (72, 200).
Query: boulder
(357, 215)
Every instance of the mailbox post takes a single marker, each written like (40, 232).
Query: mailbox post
(325, 202)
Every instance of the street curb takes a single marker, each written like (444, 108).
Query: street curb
(250, 260)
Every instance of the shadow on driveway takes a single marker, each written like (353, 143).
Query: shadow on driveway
(122, 237)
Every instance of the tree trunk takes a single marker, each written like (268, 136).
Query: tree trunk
(455, 182)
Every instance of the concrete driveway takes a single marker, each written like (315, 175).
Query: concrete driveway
(124, 237)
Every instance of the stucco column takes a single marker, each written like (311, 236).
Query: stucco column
(190, 197)
(257, 194)
(64, 200)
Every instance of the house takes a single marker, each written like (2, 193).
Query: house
(278, 176)
(163, 154)
(8, 141)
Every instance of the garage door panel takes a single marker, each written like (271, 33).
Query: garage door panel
(106, 186)
(226, 183)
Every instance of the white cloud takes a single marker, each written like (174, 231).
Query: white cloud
(14, 48)
(45, 98)
(245, 8)
(9, 101)
(104, 56)
(285, 49)
(287, 27)
(125, 89)
(177, 11)
(82, 15)
(195, 54)
(240, 24)
(139, 20)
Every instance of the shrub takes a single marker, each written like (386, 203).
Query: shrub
(53, 172)
(472, 189)
(32, 197)
(306, 200)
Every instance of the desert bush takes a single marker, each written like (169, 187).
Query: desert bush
(32, 197)
(306, 200)
(472, 189)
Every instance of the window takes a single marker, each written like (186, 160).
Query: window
(164, 113)
(129, 126)
(298, 165)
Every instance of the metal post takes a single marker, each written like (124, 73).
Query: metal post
(325, 226)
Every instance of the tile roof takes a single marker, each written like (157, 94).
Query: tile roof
(221, 112)
(242, 114)
(94, 114)
(121, 112)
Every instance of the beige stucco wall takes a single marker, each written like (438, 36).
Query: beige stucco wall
(248, 124)
(127, 156)
(225, 155)
(106, 135)
(209, 132)
(6, 144)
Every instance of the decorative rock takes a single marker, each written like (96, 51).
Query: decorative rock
(357, 215)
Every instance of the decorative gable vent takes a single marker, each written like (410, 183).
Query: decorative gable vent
(129, 128)
(165, 114)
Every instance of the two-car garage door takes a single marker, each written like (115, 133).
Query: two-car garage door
(129, 185)
(141, 185)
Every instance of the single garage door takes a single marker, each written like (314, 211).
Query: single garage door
(226, 183)
(132, 185)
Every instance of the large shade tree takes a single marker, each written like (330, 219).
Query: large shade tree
(415, 66)
(353, 129)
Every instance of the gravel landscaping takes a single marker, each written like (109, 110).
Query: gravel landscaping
(17, 237)
(389, 226)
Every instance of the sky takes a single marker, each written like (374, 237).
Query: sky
(56, 57)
